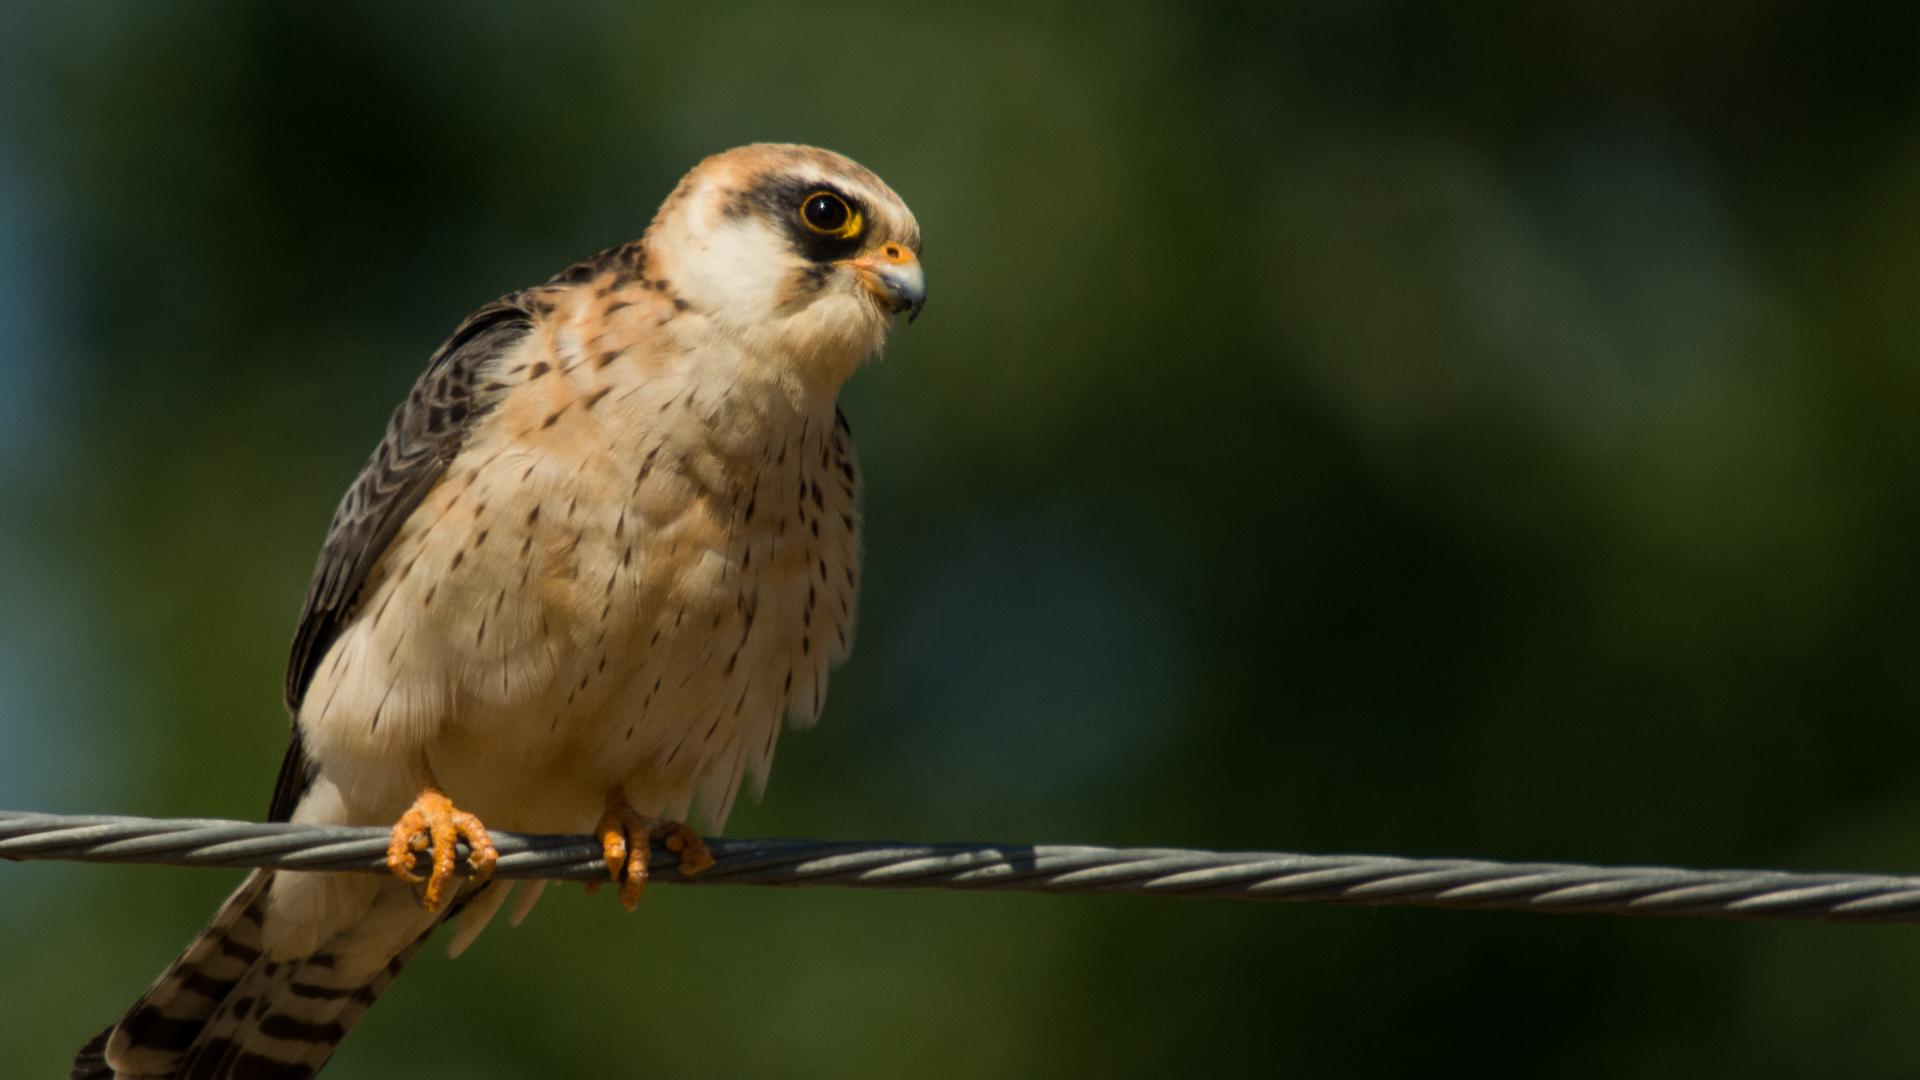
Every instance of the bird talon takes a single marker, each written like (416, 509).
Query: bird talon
(432, 824)
(626, 837)
(481, 854)
(408, 837)
(695, 856)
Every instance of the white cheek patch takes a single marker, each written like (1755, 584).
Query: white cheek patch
(739, 270)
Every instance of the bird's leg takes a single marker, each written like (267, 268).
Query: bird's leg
(626, 839)
(434, 824)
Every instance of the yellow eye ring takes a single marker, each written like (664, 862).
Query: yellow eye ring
(828, 214)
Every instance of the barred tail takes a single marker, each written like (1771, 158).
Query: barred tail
(226, 1011)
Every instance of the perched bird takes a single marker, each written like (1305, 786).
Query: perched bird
(610, 541)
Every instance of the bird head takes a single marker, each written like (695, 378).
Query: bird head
(798, 253)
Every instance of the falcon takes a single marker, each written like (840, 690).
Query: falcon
(610, 541)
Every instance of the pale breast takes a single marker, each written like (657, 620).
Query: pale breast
(617, 581)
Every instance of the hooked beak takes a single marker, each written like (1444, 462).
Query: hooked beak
(894, 275)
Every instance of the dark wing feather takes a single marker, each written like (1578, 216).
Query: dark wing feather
(426, 431)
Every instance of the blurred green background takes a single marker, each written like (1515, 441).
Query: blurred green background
(1431, 429)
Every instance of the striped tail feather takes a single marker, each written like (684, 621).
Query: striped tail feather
(286, 1020)
(227, 1010)
(154, 1036)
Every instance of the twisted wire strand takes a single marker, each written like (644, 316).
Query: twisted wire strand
(1049, 868)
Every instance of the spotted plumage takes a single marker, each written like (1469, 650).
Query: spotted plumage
(610, 541)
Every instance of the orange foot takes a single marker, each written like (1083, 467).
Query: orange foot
(432, 823)
(626, 838)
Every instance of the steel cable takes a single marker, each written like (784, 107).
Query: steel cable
(1051, 868)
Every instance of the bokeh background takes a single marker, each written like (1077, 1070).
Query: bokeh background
(1431, 429)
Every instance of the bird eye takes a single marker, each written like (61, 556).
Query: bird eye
(828, 214)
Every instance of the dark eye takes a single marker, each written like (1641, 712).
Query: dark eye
(827, 213)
